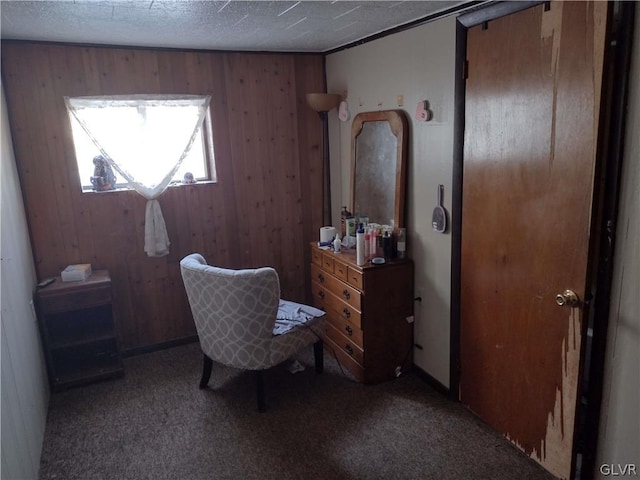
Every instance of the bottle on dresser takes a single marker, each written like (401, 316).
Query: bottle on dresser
(343, 221)
(401, 242)
(360, 257)
(337, 243)
(387, 245)
(351, 226)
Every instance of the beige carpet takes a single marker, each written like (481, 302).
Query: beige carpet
(156, 424)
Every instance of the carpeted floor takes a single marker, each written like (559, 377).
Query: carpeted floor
(156, 424)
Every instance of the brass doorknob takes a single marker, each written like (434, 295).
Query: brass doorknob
(568, 298)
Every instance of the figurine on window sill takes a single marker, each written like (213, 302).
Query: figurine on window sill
(103, 177)
(188, 178)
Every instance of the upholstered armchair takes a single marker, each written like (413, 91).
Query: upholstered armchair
(242, 322)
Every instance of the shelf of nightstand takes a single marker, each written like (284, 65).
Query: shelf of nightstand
(77, 327)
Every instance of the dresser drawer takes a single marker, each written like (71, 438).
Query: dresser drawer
(324, 298)
(348, 313)
(354, 277)
(327, 262)
(319, 275)
(346, 360)
(341, 271)
(345, 311)
(316, 256)
(346, 293)
(340, 289)
(345, 344)
(75, 300)
(344, 326)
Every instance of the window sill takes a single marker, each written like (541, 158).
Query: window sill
(171, 185)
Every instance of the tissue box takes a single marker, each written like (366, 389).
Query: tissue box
(76, 273)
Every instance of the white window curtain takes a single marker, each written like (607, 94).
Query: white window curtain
(145, 145)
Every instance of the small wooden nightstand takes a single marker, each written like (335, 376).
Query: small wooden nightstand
(78, 332)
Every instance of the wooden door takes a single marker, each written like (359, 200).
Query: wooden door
(531, 123)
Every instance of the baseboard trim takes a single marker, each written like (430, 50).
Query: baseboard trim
(439, 387)
(132, 352)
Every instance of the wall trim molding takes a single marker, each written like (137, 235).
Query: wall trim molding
(435, 384)
(416, 23)
(156, 347)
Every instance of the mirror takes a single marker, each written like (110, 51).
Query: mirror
(378, 157)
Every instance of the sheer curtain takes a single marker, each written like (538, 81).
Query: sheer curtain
(145, 138)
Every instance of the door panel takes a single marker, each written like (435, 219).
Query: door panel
(531, 123)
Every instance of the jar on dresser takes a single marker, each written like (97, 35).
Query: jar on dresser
(369, 312)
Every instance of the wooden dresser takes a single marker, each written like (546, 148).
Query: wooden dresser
(369, 310)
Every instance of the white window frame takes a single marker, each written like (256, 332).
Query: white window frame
(85, 151)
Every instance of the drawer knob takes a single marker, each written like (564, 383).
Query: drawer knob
(346, 294)
(349, 330)
(346, 312)
(321, 278)
(348, 349)
(321, 294)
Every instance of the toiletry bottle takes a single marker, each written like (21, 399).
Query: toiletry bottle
(360, 259)
(351, 226)
(343, 220)
(387, 246)
(401, 244)
(373, 241)
(367, 243)
(337, 243)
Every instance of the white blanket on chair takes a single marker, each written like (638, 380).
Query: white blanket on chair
(292, 314)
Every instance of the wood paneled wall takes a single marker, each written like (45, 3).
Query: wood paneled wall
(264, 209)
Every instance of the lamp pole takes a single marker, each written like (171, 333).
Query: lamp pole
(326, 169)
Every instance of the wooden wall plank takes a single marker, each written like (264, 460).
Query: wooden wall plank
(259, 212)
(53, 200)
(244, 105)
(222, 128)
(68, 77)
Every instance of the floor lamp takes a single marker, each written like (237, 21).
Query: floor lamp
(323, 103)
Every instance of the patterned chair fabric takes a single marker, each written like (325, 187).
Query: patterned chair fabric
(235, 313)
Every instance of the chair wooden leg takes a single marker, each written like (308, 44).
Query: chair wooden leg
(260, 391)
(207, 365)
(318, 353)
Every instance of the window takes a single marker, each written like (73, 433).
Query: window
(145, 138)
(123, 125)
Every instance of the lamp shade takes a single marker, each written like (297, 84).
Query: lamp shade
(323, 102)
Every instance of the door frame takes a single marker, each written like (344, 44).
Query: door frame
(610, 151)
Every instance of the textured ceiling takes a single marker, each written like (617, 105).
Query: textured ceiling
(292, 26)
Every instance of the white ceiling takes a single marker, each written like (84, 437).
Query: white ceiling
(291, 26)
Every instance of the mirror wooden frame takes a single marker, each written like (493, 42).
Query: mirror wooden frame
(398, 123)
